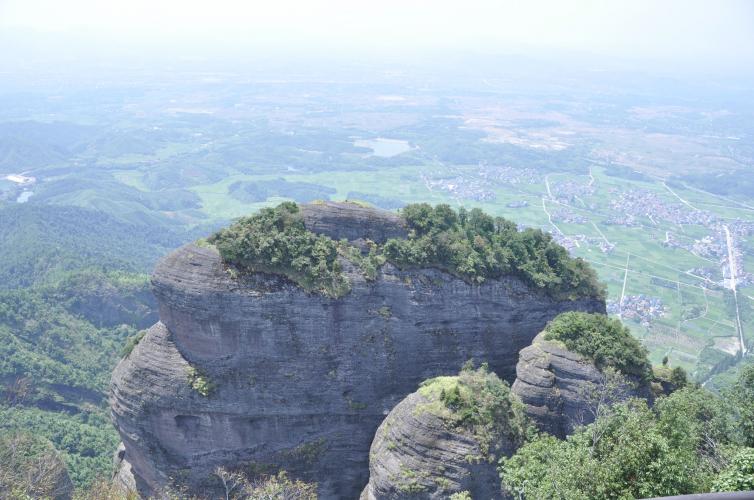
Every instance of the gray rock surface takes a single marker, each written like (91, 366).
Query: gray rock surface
(302, 381)
(416, 454)
(352, 221)
(554, 383)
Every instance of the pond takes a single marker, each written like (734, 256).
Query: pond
(24, 196)
(384, 147)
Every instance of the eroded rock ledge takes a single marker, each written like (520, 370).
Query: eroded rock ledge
(298, 380)
(556, 386)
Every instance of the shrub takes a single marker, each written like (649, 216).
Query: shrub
(479, 402)
(739, 475)
(132, 342)
(199, 382)
(603, 340)
(30, 467)
(621, 455)
(276, 241)
(742, 396)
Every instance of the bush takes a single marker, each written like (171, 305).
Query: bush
(30, 467)
(238, 486)
(276, 241)
(603, 340)
(742, 396)
(621, 455)
(479, 402)
(132, 342)
(199, 382)
(739, 475)
(683, 445)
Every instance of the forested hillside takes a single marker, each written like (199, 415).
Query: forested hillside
(73, 287)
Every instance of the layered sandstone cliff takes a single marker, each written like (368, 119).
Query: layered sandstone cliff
(253, 372)
(561, 389)
(446, 438)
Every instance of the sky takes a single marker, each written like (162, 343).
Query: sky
(704, 33)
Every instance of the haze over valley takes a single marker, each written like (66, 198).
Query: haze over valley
(115, 152)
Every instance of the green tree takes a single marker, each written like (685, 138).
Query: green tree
(739, 474)
(632, 459)
(741, 396)
(477, 247)
(275, 240)
(603, 340)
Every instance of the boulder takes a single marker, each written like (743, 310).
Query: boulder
(425, 448)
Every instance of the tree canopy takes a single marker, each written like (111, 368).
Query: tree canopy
(476, 246)
(691, 441)
(603, 340)
(276, 241)
(468, 244)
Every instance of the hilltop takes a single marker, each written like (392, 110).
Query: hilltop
(284, 339)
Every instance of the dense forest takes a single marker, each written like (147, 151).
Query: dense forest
(73, 289)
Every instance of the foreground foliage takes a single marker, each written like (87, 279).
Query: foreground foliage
(739, 474)
(690, 442)
(742, 395)
(238, 486)
(31, 468)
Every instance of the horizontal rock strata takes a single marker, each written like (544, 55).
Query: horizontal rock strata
(558, 387)
(416, 455)
(298, 380)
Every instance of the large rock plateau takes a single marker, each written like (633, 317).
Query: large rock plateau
(298, 380)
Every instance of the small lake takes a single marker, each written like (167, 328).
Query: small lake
(384, 147)
(24, 196)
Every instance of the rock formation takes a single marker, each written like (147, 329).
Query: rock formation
(253, 372)
(428, 446)
(558, 386)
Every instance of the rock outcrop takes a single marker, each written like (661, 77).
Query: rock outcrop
(353, 222)
(558, 387)
(423, 449)
(253, 372)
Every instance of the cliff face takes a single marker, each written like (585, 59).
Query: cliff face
(415, 454)
(555, 386)
(299, 380)
(446, 438)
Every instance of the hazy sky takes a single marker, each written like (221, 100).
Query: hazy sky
(702, 32)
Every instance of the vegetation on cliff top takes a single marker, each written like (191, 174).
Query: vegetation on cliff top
(479, 402)
(601, 339)
(276, 241)
(469, 244)
(476, 247)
